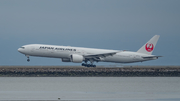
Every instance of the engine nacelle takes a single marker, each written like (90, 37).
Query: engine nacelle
(65, 60)
(76, 58)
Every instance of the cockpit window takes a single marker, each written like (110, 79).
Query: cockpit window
(23, 47)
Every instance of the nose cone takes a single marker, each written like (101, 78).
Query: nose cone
(19, 49)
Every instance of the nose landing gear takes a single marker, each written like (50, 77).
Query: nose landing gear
(27, 58)
(88, 65)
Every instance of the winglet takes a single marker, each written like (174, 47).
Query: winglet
(149, 46)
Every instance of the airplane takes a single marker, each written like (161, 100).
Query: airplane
(87, 56)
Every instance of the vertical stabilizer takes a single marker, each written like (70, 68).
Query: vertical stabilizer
(149, 46)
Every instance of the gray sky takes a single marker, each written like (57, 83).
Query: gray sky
(107, 24)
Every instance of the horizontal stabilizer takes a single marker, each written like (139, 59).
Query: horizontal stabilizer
(149, 57)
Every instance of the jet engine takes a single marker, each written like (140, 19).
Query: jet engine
(76, 58)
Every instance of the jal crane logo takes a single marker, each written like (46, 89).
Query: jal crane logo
(149, 47)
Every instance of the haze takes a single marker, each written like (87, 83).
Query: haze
(106, 24)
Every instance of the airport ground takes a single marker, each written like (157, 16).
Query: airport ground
(79, 71)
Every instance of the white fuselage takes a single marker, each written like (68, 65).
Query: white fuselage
(64, 52)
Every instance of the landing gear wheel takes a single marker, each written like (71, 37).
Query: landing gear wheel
(88, 65)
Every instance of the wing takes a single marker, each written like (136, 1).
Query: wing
(97, 57)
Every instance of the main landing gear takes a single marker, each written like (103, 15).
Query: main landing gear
(88, 65)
